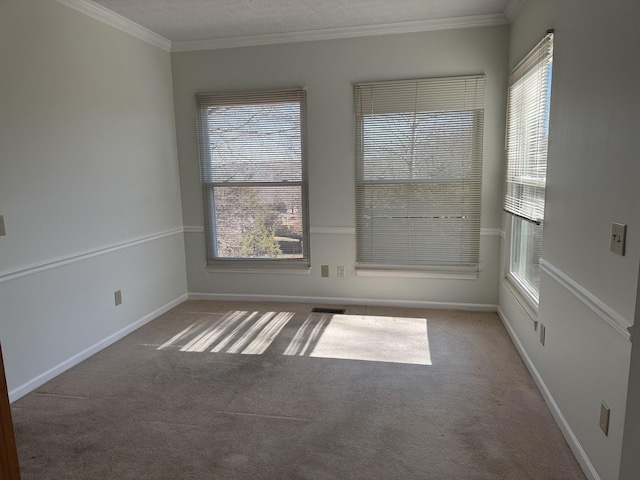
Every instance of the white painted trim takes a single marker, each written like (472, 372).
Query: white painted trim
(372, 272)
(346, 32)
(43, 378)
(193, 229)
(565, 428)
(529, 313)
(104, 15)
(492, 232)
(604, 311)
(278, 271)
(314, 230)
(511, 12)
(9, 275)
(346, 230)
(333, 230)
(378, 302)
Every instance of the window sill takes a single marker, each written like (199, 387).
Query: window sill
(528, 304)
(400, 273)
(253, 270)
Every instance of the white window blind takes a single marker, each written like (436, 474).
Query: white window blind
(253, 161)
(419, 172)
(527, 132)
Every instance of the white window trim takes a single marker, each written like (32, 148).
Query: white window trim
(297, 270)
(519, 288)
(403, 272)
(246, 265)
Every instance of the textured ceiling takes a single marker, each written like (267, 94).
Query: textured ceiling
(191, 20)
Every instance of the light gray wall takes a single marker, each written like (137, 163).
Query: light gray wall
(88, 165)
(592, 176)
(630, 462)
(328, 69)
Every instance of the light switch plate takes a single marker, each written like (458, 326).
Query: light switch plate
(618, 237)
(324, 270)
(2, 230)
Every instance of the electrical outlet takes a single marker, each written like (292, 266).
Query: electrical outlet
(118, 296)
(341, 270)
(604, 418)
(543, 333)
(324, 270)
(2, 230)
(618, 238)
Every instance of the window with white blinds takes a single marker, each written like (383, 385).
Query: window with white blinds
(527, 140)
(419, 172)
(528, 131)
(253, 159)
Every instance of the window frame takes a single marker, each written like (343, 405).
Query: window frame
(528, 213)
(427, 269)
(208, 185)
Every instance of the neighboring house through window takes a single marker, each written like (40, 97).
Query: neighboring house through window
(527, 141)
(253, 161)
(419, 174)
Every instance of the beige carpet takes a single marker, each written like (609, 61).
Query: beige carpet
(230, 390)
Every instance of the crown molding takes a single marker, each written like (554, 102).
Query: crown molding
(105, 15)
(514, 6)
(338, 33)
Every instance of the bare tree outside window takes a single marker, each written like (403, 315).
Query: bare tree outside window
(253, 159)
(419, 172)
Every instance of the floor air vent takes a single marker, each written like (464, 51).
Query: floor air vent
(337, 311)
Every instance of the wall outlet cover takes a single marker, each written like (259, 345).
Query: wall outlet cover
(605, 412)
(118, 296)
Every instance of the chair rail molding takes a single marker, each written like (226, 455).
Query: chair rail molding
(604, 311)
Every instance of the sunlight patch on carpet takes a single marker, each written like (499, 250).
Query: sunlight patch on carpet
(321, 335)
(363, 337)
(247, 333)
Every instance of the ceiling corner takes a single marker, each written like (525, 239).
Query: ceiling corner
(514, 6)
(104, 15)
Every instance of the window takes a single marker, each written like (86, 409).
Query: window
(527, 141)
(254, 178)
(419, 173)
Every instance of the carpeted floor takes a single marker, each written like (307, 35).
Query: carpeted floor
(230, 390)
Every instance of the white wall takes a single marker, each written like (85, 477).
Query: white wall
(328, 69)
(89, 187)
(630, 461)
(592, 176)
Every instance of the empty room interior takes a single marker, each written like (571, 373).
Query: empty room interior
(217, 261)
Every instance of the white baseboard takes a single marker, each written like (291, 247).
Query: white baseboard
(41, 379)
(569, 435)
(378, 302)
